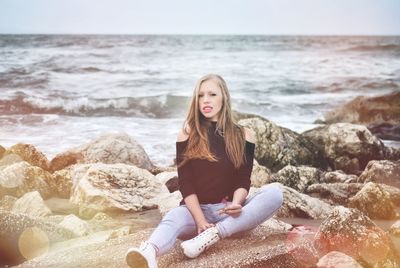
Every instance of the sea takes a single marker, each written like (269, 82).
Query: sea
(61, 91)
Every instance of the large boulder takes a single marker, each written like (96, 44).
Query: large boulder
(300, 205)
(2, 151)
(260, 175)
(374, 201)
(298, 178)
(337, 259)
(383, 171)
(112, 188)
(354, 234)
(337, 193)
(368, 110)
(107, 149)
(337, 176)
(31, 204)
(30, 154)
(20, 178)
(278, 146)
(346, 146)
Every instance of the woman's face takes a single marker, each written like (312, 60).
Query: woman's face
(210, 100)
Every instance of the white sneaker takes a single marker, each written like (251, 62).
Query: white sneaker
(193, 247)
(142, 257)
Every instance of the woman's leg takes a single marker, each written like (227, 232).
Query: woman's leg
(255, 211)
(177, 222)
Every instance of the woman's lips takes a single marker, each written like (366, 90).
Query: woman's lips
(207, 109)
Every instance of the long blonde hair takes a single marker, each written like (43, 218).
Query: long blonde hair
(196, 126)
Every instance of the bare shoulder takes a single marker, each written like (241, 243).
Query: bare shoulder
(183, 135)
(250, 135)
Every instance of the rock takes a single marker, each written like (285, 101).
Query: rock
(385, 131)
(112, 188)
(2, 151)
(334, 193)
(258, 248)
(392, 153)
(172, 184)
(368, 110)
(298, 178)
(31, 155)
(13, 225)
(394, 193)
(395, 229)
(120, 232)
(278, 146)
(337, 176)
(61, 206)
(347, 147)
(166, 200)
(77, 226)
(300, 243)
(32, 205)
(337, 259)
(101, 216)
(9, 159)
(20, 178)
(163, 177)
(156, 170)
(383, 171)
(7, 202)
(260, 175)
(66, 159)
(61, 183)
(300, 205)
(354, 234)
(107, 149)
(374, 201)
(275, 224)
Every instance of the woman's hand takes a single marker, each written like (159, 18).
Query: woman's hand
(233, 210)
(203, 225)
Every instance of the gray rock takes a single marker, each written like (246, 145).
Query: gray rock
(354, 234)
(368, 110)
(112, 188)
(107, 149)
(300, 205)
(347, 147)
(383, 171)
(338, 176)
(278, 146)
(337, 259)
(20, 178)
(374, 201)
(298, 178)
(334, 193)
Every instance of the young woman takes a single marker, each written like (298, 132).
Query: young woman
(215, 160)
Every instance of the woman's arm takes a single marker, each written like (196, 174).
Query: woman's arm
(192, 203)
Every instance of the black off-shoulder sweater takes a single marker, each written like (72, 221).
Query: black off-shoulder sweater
(213, 182)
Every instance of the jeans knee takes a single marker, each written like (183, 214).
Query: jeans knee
(274, 192)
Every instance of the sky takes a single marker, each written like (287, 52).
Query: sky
(265, 17)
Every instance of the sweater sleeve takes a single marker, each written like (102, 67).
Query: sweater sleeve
(185, 175)
(244, 173)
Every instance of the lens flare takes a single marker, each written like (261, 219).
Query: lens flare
(33, 242)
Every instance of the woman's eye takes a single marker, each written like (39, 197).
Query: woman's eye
(213, 94)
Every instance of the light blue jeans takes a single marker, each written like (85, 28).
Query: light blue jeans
(179, 223)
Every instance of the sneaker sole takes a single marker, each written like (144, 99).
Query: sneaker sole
(136, 260)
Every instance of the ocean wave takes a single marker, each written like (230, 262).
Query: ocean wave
(161, 106)
(372, 48)
(359, 83)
